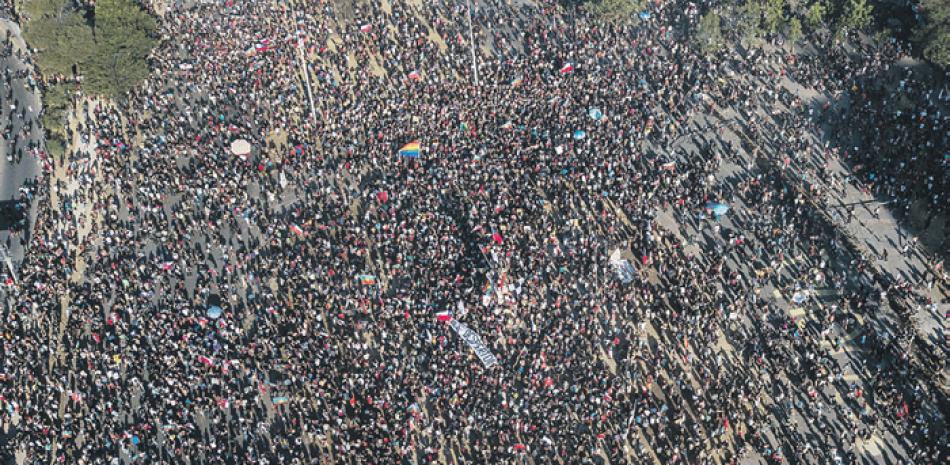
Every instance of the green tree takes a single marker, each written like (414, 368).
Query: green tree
(793, 32)
(613, 9)
(57, 100)
(815, 15)
(709, 35)
(124, 38)
(750, 20)
(111, 52)
(59, 34)
(774, 14)
(933, 33)
(857, 15)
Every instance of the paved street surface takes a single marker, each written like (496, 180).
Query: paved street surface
(672, 278)
(20, 106)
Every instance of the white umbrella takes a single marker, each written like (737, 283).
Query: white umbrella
(240, 147)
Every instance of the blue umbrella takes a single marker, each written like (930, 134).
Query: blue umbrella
(214, 311)
(578, 134)
(717, 208)
(595, 114)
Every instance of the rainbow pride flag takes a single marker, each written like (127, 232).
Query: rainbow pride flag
(410, 150)
(488, 288)
(367, 279)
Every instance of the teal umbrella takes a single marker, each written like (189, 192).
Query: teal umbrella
(717, 209)
(214, 311)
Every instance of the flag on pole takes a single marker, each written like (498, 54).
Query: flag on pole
(443, 316)
(567, 68)
(410, 150)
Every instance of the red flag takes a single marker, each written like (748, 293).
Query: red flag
(443, 316)
(567, 68)
(496, 237)
(205, 360)
(382, 196)
(366, 28)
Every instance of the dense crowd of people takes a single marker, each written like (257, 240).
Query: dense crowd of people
(289, 305)
(884, 121)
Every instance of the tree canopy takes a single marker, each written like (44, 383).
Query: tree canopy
(750, 20)
(815, 15)
(856, 15)
(123, 33)
(774, 15)
(933, 33)
(709, 35)
(108, 45)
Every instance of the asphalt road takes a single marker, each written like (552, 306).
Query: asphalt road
(12, 174)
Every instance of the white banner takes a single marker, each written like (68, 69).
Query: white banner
(475, 342)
